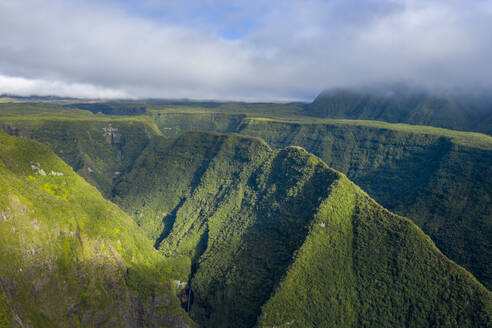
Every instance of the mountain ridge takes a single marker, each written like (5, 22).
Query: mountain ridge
(406, 168)
(254, 227)
(257, 209)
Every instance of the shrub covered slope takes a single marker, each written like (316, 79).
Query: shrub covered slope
(70, 258)
(238, 215)
(277, 235)
(439, 178)
(442, 180)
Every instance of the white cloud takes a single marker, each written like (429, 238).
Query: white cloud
(292, 50)
(27, 87)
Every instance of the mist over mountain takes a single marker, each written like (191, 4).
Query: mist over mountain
(458, 110)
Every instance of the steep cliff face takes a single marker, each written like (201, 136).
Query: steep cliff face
(68, 257)
(256, 222)
(250, 235)
(173, 124)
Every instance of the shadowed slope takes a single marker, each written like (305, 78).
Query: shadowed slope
(439, 178)
(442, 181)
(362, 266)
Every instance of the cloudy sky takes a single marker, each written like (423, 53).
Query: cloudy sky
(244, 50)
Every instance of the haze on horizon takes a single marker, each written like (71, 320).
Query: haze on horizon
(241, 50)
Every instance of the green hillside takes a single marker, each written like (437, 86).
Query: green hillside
(406, 106)
(239, 221)
(258, 223)
(70, 258)
(362, 266)
(439, 178)
(98, 147)
(417, 171)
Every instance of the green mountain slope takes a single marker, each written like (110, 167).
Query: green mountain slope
(362, 266)
(70, 258)
(250, 219)
(406, 106)
(441, 179)
(98, 148)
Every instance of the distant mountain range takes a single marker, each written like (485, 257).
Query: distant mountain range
(393, 104)
(457, 112)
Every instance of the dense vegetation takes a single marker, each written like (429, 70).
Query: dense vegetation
(347, 275)
(68, 257)
(468, 113)
(263, 237)
(248, 217)
(442, 183)
(417, 171)
(98, 147)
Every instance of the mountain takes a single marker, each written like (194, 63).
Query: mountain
(235, 221)
(277, 238)
(402, 105)
(68, 257)
(439, 178)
